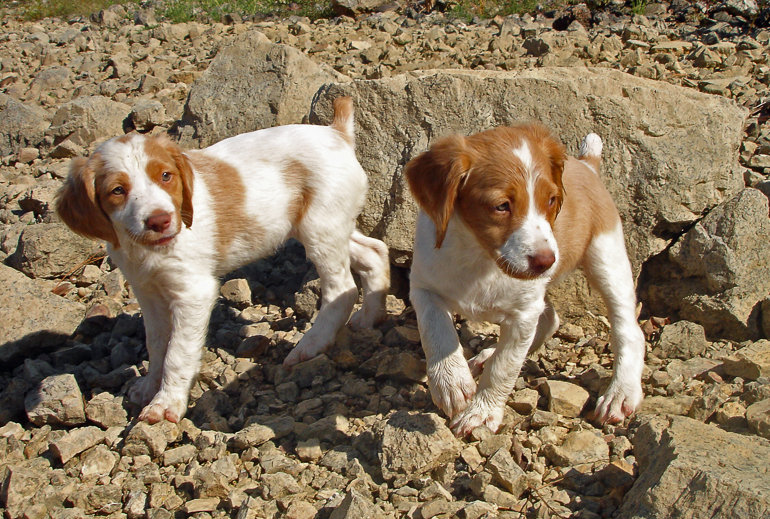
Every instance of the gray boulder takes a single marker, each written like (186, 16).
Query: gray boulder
(50, 250)
(33, 318)
(690, 469)
(717, 274)
(250, 85)
(20, 125)
(89, 119)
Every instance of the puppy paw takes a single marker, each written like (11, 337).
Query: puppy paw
(144, 390)
(366, 317)
(164, 406)
(451, 386)
(618, 402)
(476, 364)
(309, 347)
(474, 416)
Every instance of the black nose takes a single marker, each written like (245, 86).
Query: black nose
(158, 222)
(542, 261)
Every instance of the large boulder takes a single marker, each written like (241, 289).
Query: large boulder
(89, 119)
(33, 318)
(717, 274)
(691, 469)
(250, 85)
(670, 153)
(20, 125)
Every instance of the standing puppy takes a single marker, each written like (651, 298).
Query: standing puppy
(175, 221)
(505, 214)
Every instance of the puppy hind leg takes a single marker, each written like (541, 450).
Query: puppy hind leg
(338, 295)
(608, 269)
(369, 258)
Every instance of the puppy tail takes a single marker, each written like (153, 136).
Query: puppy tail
(343, 119)
(591, 151)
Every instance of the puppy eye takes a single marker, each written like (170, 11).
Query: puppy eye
(118, 191)
(166, 176)
(503, 208)
(552, 201)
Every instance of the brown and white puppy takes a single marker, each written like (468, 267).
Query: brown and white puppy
(504, 215)
(175, 221)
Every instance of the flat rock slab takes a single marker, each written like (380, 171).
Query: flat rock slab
(415, 443)
(33, 318)
(690, 469)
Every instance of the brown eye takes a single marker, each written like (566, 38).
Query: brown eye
(166, 176)
(119, 191)
(552, 201)
(505, 207)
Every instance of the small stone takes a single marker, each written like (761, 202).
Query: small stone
(179, 455)
(507, 472)
(578, 447)
(565, 398)
(731, 415)
(237, 293)
(402, 335)
(56, 401)
(256, 434)
(524, 401)
(682, 340)
(27, 155)
(151, 440)
(494, 443)
(201, 505)
(106, 411)
(356, 506)
(439, 507)
(309, 451)
(758, 416)
(98, 462)
(304, 373)
(751, 362)
(76, 441)
(301, 510)
(402, 367)
(492, 494)
(276, 486)
(472, 458)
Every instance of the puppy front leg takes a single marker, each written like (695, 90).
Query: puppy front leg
(498, 378)
(449, 379)
(156, 315)
(190, 311)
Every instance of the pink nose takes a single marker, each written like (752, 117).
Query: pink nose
(542, 261)
(158, 222)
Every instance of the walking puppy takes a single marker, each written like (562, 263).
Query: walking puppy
(505, 214)
(175, 221)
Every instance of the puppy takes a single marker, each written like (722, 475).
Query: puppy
(175, 221)
(504, 215)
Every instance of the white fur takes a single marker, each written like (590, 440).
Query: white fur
(177, 285)
(460, 277)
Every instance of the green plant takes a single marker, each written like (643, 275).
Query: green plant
(638, 6)
(37, 9)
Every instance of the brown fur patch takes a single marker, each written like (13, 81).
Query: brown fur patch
(296, 176)
(228, 198)
(163, 169)
(343, 118)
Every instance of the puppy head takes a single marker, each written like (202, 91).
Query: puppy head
(132, 186)
(505, 185)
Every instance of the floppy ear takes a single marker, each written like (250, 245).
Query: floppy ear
(557, 154)
(77, 204)
(186, 173)
(434, 178)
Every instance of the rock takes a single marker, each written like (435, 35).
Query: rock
(21, 125)
(40, 197)
(697, 469)
(57, 400)
(276, 486)
(146, 439)
(679, 405)
(507, 472)
(237, 293)
(356, 506)
(106, 411)
(88, 119)
(331, 429)
(145, 115)
(201, 505)
(251, 84)
(718, 275)
(50, 250)
(524, 401)
(303, 374)
(256, 434)
(34, 319)
(565, 398)
(758, 416)
(415, 443)
(309, 450)
(354, 8)
(178, 455)
(682, 340)
(402, 367)
(77, 441)
(751, 362)
(20, 482)
(578, 447)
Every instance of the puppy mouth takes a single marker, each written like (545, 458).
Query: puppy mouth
(516, 272)
(162, 242)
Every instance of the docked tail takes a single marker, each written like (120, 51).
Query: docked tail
(343, 119)
(590, 151)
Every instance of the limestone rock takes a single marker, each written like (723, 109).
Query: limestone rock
(237, 292)
(719, 272)
(21, 125)
(57, 401)
(565, 398)
(578, 447)
(356, 506)
(682, 340)
(415, 443)
(507, 472)
(250, 85)
(758, 416)
(697, 470)
(33, 318)
(89, 119)
(751, 362)
(106, 411)
(77, 441)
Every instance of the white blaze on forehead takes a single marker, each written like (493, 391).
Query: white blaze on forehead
(525, 156)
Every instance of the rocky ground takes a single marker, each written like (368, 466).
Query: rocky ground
(351, 434)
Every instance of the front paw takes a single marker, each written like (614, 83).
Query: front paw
(309, 347)
(165, 406)
(451, 385)
(620, 400)
(144, 390)
(475, 415)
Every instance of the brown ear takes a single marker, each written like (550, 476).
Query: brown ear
(77, 204)
(434, 179)
(186, 172)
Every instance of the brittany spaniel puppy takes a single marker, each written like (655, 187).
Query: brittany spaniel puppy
(175, 221)
(504, 215)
